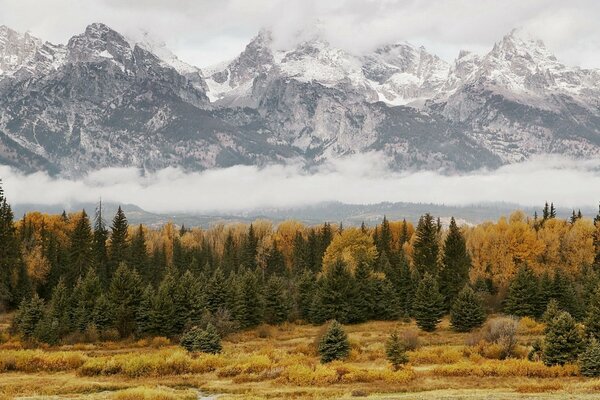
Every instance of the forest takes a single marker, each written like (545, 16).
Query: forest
(78, 278)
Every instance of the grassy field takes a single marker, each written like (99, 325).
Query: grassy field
(280, 363)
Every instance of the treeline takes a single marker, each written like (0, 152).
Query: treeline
(72, 275)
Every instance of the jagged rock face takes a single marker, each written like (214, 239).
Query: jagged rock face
(106, 100)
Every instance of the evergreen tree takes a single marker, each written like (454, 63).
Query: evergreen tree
(189, 301)
(99, 246)
(552, 311)
(385, 304)
(59, 308)
(467, 311)
(165, 318)
(202, 340)
(456, 264)
(592, 321)
(428, 306)
(102, 313)
(247, 307)
(305, 293)
(275, 261)
(406, 287)
(250, 249)
(566, 295)
(138, 255)
(562, 341)
(522, 299)
(277, 306)
(216, 292)
(299, 252)
(395, 351)
(363, 302)
(552, 211)
(334, 344)
(144, 317)
(10, 257)
(590, 360)
(28, 316)
(124, 296)
(118, 241)
(80, 250)
(425, 253)
(336, 293)
(229, 262)
(546, 212)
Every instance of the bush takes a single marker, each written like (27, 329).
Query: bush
(395, 351)
(410, 338)
(334, 344)
(502, 332)
(202, 340)
(590, 360)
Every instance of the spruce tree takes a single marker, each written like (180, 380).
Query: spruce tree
(277, 305)
(144, 317)
(165, 318)
(334, 344)
(456, 264)
(522, 299)
(426, 247)
(306, 287)
(118, 241)
(124, 296)
(189, 300)
(202, 340)
(552, 311)
(99, 246)
(336, 293)
(592, 321)
(428, 307)
(247, 302)
(395, 351)
(216, 292)
(10, 256)
(467, 311)
(80, 250)
(250, 249)
(562, 341)
(363, 301)
(138, 255)
(229, 262)
(28, 316)
(566, 295)
(590, 360)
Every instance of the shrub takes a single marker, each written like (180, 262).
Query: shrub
(507, 368)
(436, 355)
(503, 332)
(467, 311)
(590, 360)
(410, 338)
(334, 344)
(562, 342)
(202, 340)
(395, 351)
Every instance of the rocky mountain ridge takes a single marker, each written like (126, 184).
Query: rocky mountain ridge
(104, 100)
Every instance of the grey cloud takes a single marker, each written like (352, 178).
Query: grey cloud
(346, 180)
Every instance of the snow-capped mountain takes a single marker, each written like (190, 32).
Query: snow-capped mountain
(107, 100)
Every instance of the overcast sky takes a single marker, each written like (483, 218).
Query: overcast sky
(203, 32)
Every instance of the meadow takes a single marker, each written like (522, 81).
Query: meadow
(280, 362)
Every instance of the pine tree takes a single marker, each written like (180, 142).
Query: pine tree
(467, 311)
(428, 306)
(590, 360)
(552, 211)
(248, 307)
(10, 257)
(362, 302)
(546, 212)
(592, 321)
(336, 293)
(456, 264)
(28, 316)
(299, 252)
(385, 304)
(165, 318)
(118, 241)
(425, 255)
(202, 340)
(59, 308)
(124, 296)
(277, 305)
(144, 318)
(562, 341)
(334, 344)
(275, 261)
(305, 293)
(395, 351)
(216, 292)
(138, 255)
(189, 300)
(406, 287)
(522, 299)
(80, 250)
(229, 262)
(99, 246)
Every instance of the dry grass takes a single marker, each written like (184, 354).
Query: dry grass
(281, 363)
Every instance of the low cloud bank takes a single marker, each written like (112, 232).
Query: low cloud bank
(358, 179)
